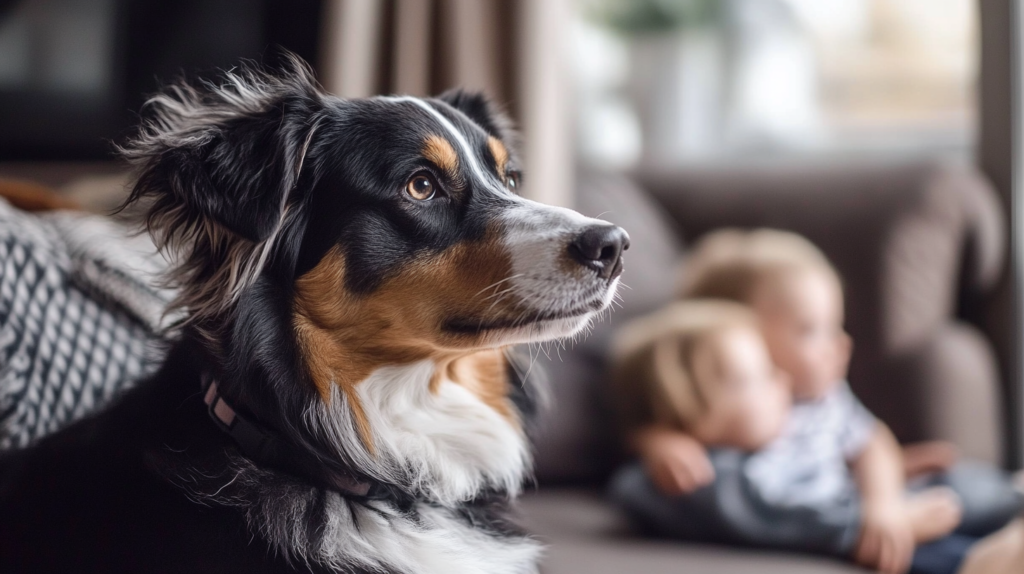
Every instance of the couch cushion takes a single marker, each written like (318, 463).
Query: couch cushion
(586, 534)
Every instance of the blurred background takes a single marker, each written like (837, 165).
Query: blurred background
(669, 82)
(886, 131)
(652, 82)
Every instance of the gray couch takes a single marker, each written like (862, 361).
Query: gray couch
(918, 244)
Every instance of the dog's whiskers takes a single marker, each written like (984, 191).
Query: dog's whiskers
(499, 282)
(499, 293)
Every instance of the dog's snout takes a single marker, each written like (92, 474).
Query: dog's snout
(600, 248)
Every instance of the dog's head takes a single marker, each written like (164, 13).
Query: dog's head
(394, 219)
(337, 237)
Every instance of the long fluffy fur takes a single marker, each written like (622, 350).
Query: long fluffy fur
(325, 528)
(211, 265)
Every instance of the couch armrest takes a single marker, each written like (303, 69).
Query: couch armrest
(908, 239)
(951, 380)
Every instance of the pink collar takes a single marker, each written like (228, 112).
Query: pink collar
(263, 446)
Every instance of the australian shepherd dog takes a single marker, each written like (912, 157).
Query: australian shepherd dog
(339, 397)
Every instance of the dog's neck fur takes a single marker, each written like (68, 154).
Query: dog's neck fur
(431, 434)
(327, 529)
(437, 446)
(445, 445)
(431, 437)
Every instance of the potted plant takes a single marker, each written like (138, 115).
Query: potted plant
(676, 77)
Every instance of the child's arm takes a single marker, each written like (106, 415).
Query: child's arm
(927, 457)
(733, 510)
(675, 461)
(887, 539)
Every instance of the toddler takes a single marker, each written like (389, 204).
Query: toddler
(833, 480)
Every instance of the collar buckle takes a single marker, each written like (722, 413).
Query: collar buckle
(220, 411)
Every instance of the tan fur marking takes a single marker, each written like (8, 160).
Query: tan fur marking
(500, 153)
(485, 374)
(345, 337)
(441, 153)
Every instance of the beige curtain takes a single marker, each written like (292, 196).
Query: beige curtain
(511, 49)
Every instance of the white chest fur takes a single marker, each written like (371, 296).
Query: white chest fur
(446, 444)
(434, 542)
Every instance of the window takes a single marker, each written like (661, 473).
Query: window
(684, 81)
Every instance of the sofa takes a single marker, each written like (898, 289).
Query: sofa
(918, 244)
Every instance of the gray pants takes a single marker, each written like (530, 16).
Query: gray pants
(731, 511)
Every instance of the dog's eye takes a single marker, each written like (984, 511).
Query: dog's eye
(421, 188)
(512, 180)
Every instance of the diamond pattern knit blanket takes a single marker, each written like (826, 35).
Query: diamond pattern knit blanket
(80, 318)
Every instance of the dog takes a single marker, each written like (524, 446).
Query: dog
(339, 396)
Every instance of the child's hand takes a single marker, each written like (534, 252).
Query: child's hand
(933, 513)
(886, 539)
(675, 461)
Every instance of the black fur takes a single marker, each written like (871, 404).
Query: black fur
(269, 170)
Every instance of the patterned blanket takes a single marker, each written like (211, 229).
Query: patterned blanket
(80, 318)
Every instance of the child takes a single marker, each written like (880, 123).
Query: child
(675, 360)
(834, 481)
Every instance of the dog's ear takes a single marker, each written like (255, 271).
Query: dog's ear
(217, 166)
(236, 174)
(226, 155)
(479, 108)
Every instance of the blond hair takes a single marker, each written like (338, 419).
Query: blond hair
(729, 263)
(652, 374)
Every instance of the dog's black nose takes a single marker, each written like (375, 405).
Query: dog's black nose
(600, 248)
